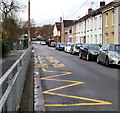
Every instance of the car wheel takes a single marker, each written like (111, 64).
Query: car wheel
(98, 61)
(80, 55)
(88, 57)
(70, 51)
(107, 62)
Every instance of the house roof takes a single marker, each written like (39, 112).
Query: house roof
(58, 25)
(117, 4)
(68, 22)
(98, 11)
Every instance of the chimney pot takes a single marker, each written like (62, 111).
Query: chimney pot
(89, 10)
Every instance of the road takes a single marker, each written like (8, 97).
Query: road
(73, 84)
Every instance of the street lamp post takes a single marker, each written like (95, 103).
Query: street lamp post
(28, 23)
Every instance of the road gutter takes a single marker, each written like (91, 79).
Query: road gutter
(38, 92)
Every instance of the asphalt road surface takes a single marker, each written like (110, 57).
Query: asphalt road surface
(73, 84)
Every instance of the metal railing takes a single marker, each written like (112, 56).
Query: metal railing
(12, 83)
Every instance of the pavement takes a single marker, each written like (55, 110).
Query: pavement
(27, 102)
(11, 58)
(27, 96)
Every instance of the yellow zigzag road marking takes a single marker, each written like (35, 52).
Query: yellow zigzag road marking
(65, 73)
(54, 61)
(58, 65)
(61, 80)
(42, 65)
(63, 87)
(76, 97)
(74, 83)
(43, 69)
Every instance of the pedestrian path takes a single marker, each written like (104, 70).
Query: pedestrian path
(8, 61)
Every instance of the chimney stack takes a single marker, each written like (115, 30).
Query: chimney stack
(90, 10)
(102, 3)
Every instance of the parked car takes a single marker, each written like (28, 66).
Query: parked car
(68, 47)
(49, 41)
(53, 44)
(60, 46)
(57, 46)
(42, 42)
(89, 51)
(75, 48)
(109, 54)
(36, 42)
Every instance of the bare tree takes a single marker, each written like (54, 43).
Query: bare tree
(10, 24)
(7, 7)
(46, 30)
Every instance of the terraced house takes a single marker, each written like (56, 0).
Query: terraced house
(65, 30)
(101, 26)
(90, 27)
(94, 27)
(74, 40)
(111, 24)
(72, 33)
(81, 30)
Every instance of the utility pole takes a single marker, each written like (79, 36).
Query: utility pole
(29, 23)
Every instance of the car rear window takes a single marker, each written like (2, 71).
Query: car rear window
(78, 45)
(117, 48)
(114, 48)
(94, 47)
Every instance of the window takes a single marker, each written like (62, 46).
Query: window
(84, 39)
(100, 22)
(66, 33)
(79, 26)
(113, 18)
(91, 38)
(103, 47)
(100, 40)
(106, 38)
(112, 34)
(106, 19)
(114, 48)
(88, 38)
(88, 25)
(106, 47)
(70, 31)
(96, 39)
(95, 25)
(82, 28)
(91, 24)
(117, 48)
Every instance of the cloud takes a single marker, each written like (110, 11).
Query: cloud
(45, 11)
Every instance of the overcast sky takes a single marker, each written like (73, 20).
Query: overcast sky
(49, 11)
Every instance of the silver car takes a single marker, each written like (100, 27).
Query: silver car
(109, 54)
(68, 47)
(75, 48)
